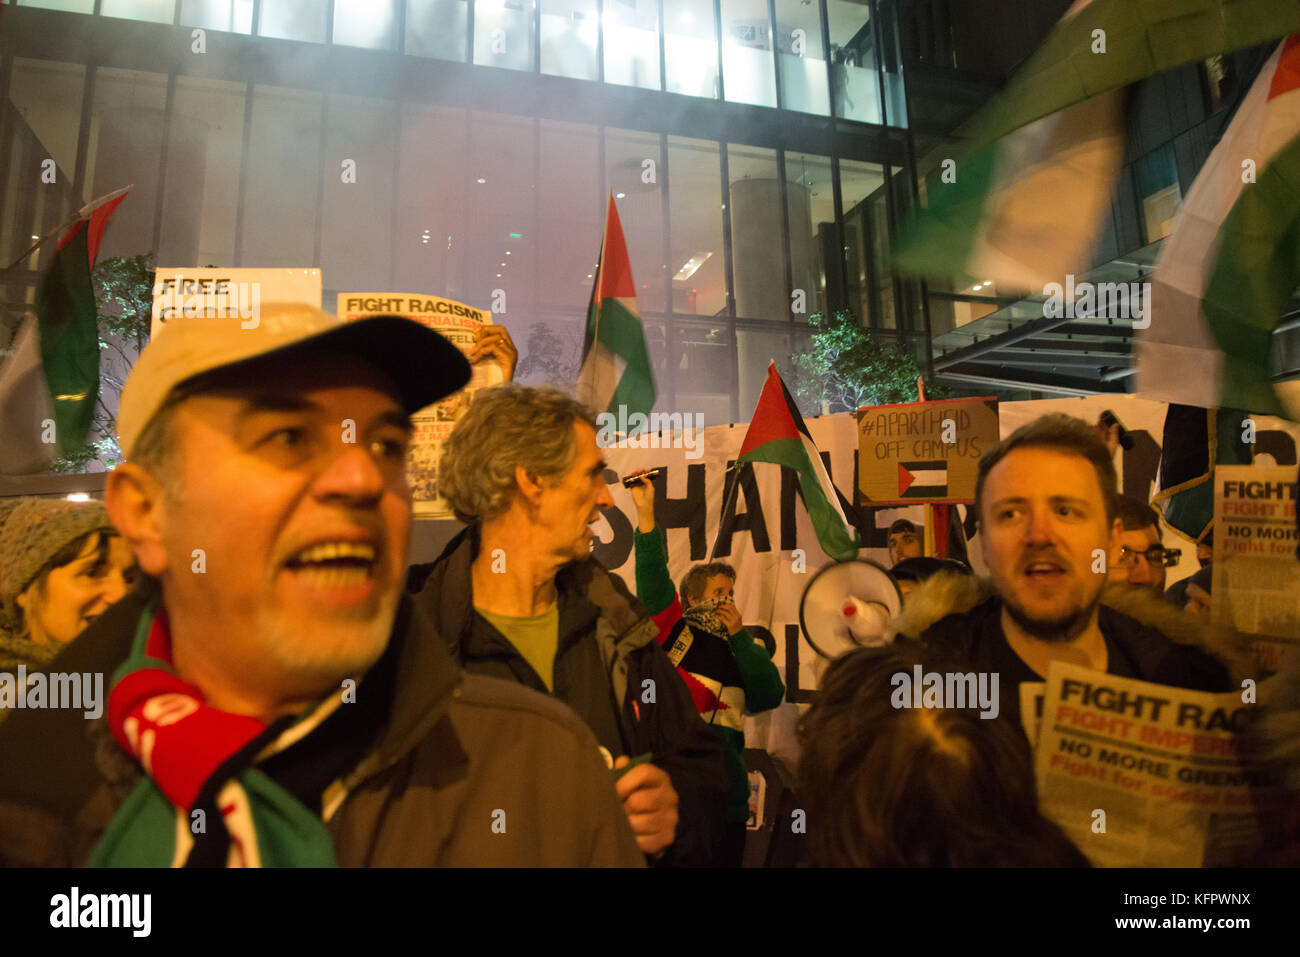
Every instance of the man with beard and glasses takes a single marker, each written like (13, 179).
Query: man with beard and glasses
(1047, 502)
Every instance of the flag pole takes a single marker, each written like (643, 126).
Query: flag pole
(728, 501)
(927, 538)
(78, 216)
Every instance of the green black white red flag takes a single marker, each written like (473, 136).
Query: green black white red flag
(615, 365)
(777, 434)
(1023, 205)
(1232, 261)
(52, 373)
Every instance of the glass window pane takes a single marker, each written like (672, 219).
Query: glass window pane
(690, 48)
(44, 118)
(695, 200)
(502, 196)
(293, 20)
(280, 191)
(755, 209)
(357, 217)
(437, 28)
(570, 30)
(204, 145)
(571, 210)
(503, 34)
(755, 348)
(232, 16)
(704, 370)
(366, 23)
(155, 11)
(633, 166)
(870, 291)
(632, 43)
(748, 73)
(430, 240)
(803, 61)
(810, 200)
(1156, 178)
(855, 84)
(69, 6)
(125, 141)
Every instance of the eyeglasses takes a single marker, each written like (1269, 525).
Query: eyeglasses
(1155, 555)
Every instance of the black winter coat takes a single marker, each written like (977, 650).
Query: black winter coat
(610, 670)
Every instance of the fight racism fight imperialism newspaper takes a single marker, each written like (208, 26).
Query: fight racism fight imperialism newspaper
(459, 323)
(1145, 775)
(1256, 584)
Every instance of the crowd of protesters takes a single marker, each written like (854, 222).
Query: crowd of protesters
(275, 663)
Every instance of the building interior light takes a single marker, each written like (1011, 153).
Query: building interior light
(619, 195)
(692, 265)
(481, 180)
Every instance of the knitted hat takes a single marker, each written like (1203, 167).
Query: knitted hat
(34, 532)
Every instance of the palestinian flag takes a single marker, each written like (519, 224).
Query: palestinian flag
(615, 366)
(1227, 272)
(927, 479)
(777, 434)
(1194, 442)
(1023, 206)
(52, 374)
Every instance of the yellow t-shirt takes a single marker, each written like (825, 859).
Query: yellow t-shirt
(536, 638)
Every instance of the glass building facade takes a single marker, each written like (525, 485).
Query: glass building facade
(758, 149)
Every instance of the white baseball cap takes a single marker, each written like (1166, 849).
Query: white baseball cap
(424, 365)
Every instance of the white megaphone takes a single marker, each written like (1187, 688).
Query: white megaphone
(848, 605)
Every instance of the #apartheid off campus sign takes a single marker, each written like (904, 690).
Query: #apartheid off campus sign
(460, 324)
(190, 292)
(918, 452)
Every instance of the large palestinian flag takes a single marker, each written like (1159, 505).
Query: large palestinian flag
(615, 366)
(777, 434)
(1023, 205)
(1228, 270)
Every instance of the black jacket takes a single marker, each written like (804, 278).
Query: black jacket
(610, 669)
(976, 636)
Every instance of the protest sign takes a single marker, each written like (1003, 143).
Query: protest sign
(460, 324)
(188, 292)
(1145, 775)
(920, 452)
(1256, 580)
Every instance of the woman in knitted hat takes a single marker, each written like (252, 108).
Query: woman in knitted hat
(62, 564)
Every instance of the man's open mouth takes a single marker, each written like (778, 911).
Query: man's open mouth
(337, 563)
(1044, 570)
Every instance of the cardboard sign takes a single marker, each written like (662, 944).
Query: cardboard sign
(919, 452)
(189, 292)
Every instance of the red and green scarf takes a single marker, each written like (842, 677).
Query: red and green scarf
(203, 801)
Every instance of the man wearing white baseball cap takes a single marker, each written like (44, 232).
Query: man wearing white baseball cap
(275, 699)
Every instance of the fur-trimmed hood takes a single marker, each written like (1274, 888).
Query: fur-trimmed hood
(948, 593)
